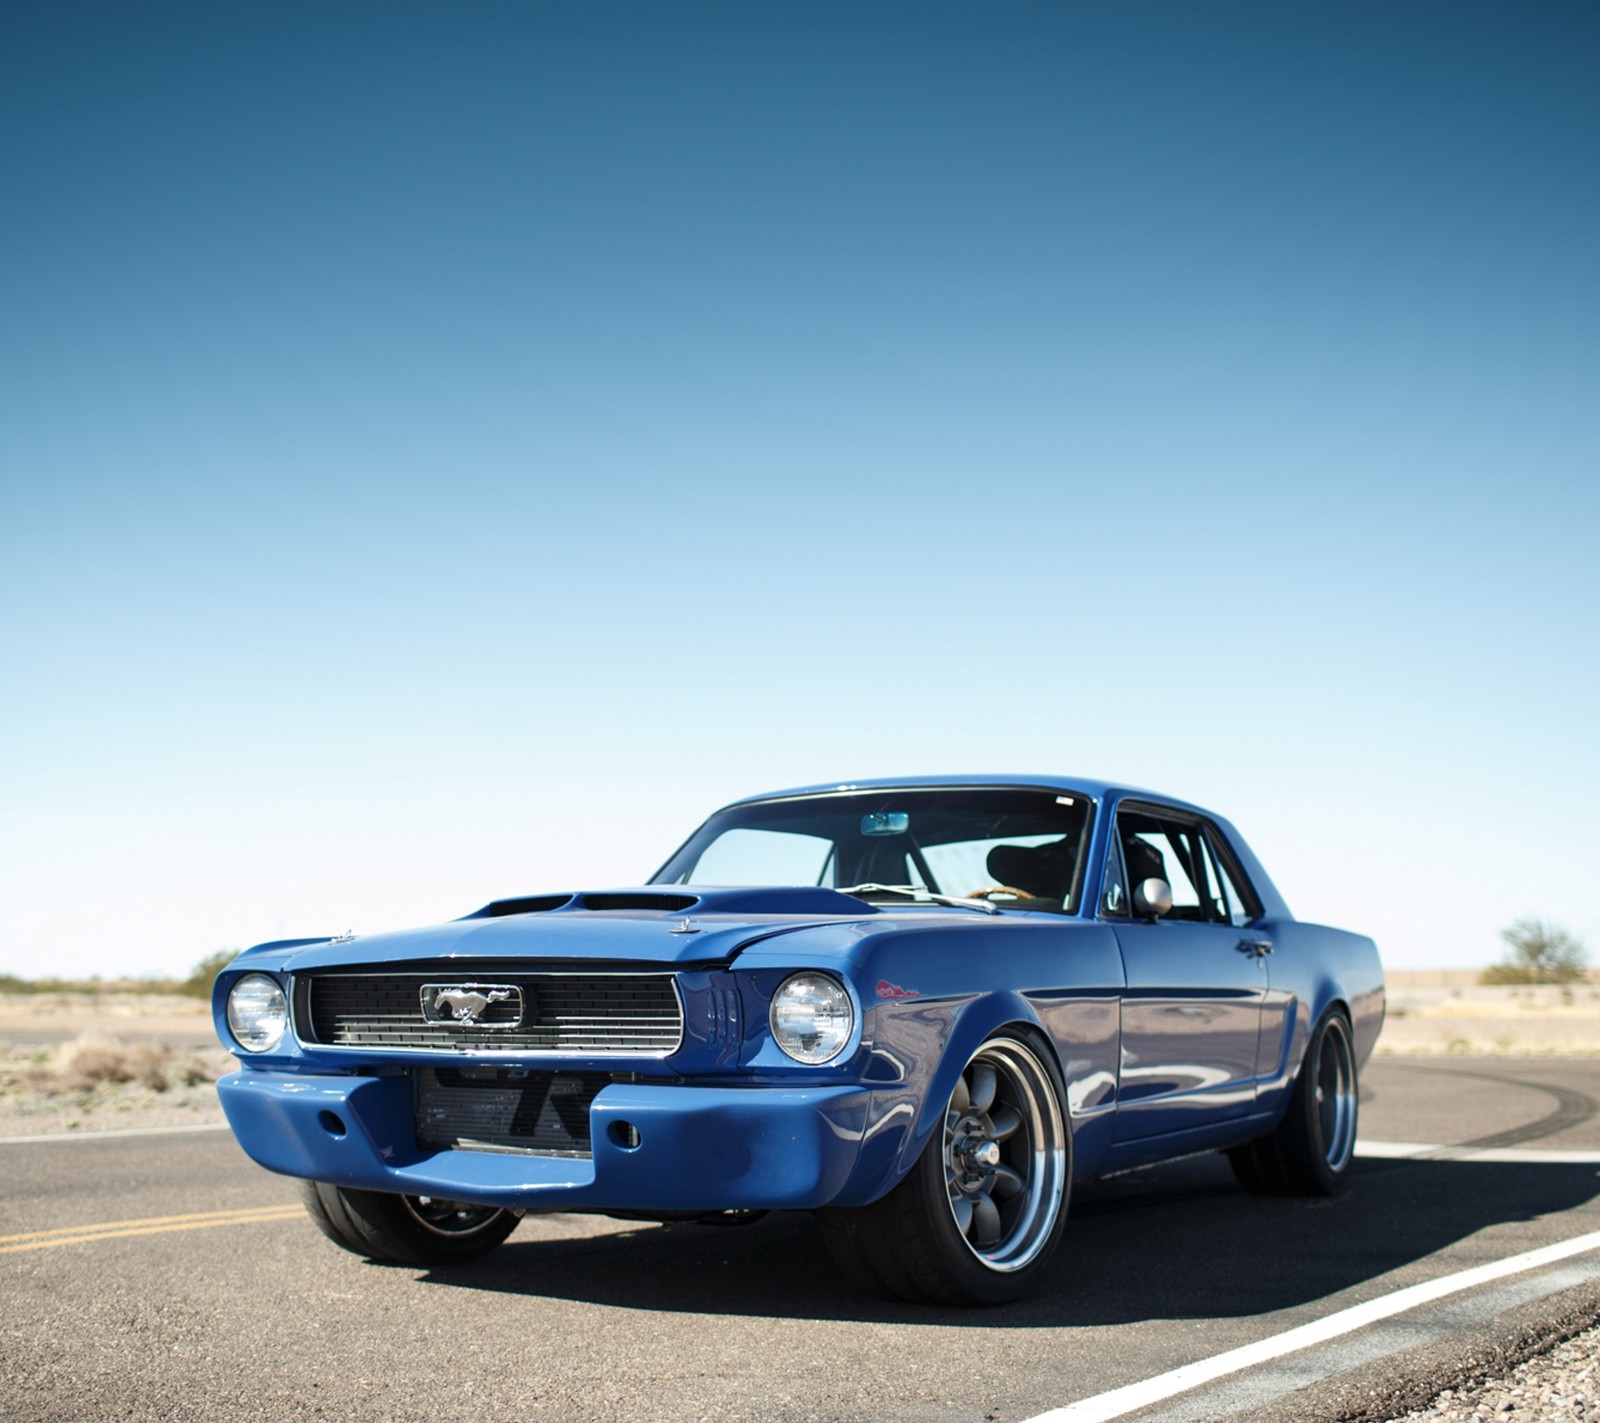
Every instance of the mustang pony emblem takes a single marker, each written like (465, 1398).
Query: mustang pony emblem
(466, 1003)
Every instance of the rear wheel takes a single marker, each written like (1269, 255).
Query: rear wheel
(977, 1218)
(405, 1230)
(1310, 1151)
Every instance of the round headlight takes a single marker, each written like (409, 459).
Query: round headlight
(258, 1013)
(811, 1018)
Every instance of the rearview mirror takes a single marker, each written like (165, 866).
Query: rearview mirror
(886, 822)
(1152, 898)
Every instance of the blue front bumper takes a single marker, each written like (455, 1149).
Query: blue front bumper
(698, 1148)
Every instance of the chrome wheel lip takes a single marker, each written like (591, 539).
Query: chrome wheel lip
(1334, 1100)
(450, 1220)
(1036, 1151)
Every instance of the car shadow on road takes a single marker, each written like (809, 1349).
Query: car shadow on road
(1180, 1241)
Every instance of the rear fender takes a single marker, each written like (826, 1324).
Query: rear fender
(1313, 970)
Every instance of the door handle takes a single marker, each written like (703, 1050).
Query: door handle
(1256, 948)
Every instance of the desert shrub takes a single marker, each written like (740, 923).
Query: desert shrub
(10, 983)
(198, 984)
(90, 1061)
(93, 1061)
(1541, 952)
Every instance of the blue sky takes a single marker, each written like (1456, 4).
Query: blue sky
(446, 450)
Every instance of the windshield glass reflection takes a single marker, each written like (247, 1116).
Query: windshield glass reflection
(1011, 848)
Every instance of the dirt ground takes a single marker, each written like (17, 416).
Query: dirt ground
(1433, 1018)
(113, 1060)
(54, 1017)
(106, 1061)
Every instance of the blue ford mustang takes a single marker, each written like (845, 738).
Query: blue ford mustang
(921, 1008)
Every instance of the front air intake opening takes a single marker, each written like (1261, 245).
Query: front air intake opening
(624, 1134)
(659, 903)
(528, 904)
(505, 1109)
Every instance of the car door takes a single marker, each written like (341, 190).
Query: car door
(1196, 981)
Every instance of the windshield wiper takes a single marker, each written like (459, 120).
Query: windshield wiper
(917, 892)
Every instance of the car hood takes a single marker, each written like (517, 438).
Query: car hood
(647, 925)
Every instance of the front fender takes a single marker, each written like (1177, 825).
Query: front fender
(980, 1020)
(933, 987)
(923, 1046)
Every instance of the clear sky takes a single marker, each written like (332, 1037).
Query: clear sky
(447, 449)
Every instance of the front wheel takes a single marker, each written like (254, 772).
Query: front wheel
(1310, 1151)
(405, 1230)
(977, 1218)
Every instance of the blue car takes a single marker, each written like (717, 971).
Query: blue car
(921, 1008)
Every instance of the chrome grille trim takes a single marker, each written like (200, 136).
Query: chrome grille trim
(567, 1014)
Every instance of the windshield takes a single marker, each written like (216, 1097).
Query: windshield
(1021, 849)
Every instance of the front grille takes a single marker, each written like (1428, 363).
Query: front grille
(562, 1012)
(504, 1109)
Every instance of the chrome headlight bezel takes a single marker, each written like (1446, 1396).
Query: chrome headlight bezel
(258, 1013)
(812, 1018)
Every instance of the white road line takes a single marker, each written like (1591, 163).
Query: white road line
(1519, 1155)
(1345, 1321)
(102, 1135)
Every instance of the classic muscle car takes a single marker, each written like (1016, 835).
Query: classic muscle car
(921, 1008)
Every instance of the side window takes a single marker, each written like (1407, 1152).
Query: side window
(1214, 892)
(1176, 850)
(1239, 900)
(1114, 890)
(1155, 847)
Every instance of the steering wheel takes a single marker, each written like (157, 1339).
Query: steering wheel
(1005, 889)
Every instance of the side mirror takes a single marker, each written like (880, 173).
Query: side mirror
(1152, 898)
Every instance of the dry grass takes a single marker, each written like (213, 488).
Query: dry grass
(100, 1081)
(1446, 1018)
(96, 1062)
(91, 1009)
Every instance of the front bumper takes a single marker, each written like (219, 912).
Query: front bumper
(697, 1148)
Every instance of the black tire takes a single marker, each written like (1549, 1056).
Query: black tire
(405, 1230)
(977, 1219)
(1310, 1151)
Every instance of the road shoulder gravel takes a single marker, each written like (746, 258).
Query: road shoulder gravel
(1471, 1371)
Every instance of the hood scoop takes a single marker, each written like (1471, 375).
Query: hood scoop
(798, 900)
(801, 900)
(638, 900)
(530, 904)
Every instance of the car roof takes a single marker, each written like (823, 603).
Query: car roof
(1085, 785)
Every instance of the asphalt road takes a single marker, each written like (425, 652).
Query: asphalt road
(126, 1312)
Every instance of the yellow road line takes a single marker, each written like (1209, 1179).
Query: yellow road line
(148, 1220)
(153, 1225)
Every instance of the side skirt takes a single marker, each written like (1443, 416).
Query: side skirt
(1127, 1155)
